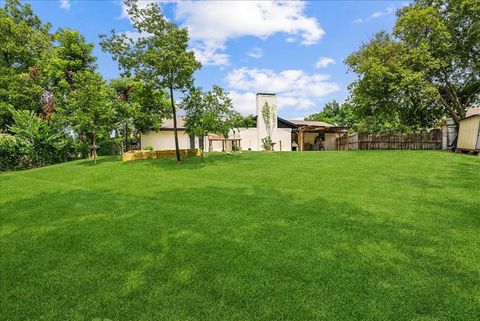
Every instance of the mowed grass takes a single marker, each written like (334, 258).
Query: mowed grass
(375, 235)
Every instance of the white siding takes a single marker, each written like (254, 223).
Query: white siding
(164, 140)
(283, 139)
(250, 139)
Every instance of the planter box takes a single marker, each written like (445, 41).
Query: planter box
(166, 154)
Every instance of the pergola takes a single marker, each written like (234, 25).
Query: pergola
(308, 128)
(216, 138)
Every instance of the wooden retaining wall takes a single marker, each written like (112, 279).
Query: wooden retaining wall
(167, 154)
(421, 141)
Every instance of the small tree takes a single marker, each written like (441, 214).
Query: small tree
(269, 117)
(210, 112)
(125, 110)
(90, 109)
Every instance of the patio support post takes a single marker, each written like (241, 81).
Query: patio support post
(300, 139)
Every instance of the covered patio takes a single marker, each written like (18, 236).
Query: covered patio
(316, 135)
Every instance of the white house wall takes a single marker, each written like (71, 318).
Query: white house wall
(249, 138)
(164, 140)
(283, 139)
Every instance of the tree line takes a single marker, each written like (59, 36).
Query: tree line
(56, 106)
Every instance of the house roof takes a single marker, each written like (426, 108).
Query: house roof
(282, 123)
(168, 123)
(311, 123)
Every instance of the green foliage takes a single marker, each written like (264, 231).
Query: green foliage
(268, 143)
(149, 148)
(90, 109)
(269, 117)
(430, 67)
(14, 153)
(39, 141)
(149, 107)
(159, 57)
(70, 56)
(210, 112)
(24, 41)
(336, 114)
(108, 146)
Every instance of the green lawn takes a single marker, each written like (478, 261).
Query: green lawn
(373, 235)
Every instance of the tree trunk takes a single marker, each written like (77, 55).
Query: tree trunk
(94, 148)
(175, 134)
(126, 138)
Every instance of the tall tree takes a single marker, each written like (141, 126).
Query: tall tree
(160, 55)
(24, 40)
(71, 55)
(429, 67)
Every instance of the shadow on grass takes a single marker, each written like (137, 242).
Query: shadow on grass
(191, 163)
(229, 253)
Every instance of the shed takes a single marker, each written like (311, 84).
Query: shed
(469, 134)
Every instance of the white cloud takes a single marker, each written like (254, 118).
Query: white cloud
(255, 52)
(286, 81)
(244, 103)
(65, 4)
(388, 11)
(141, 4)
(296, 89)
(324, 62)
(213, 23)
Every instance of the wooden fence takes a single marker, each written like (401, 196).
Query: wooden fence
(420, 141)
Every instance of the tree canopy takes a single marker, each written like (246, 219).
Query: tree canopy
(428, 67)
(25, 40)
(210, 112)
(160, 56)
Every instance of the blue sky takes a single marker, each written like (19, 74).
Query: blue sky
(293, 49)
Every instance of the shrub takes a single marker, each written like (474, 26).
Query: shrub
(267, 143)
(14, 153)
(150, 148)
(36, 142)
(110, 146)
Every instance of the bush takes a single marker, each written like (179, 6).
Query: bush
(36, 142)
(14, 153)
(110, 146)
(150, 148)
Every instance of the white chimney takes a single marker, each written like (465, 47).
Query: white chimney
(271, 99)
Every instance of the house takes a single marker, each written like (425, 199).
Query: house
(287, 134)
